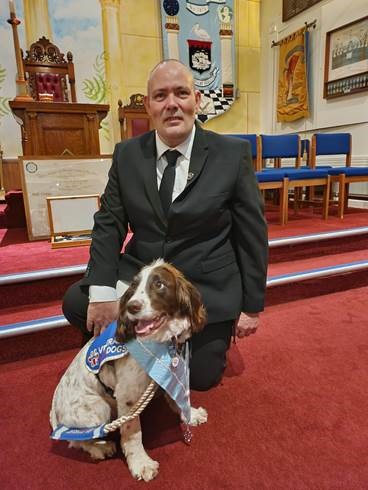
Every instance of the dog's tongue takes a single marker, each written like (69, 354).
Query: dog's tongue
(144, 326)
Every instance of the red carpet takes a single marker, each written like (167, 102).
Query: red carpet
(17, 254)
(290, 414)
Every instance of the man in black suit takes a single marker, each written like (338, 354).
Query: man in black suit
(212, 228)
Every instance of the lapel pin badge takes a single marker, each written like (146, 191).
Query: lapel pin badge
(190, 175)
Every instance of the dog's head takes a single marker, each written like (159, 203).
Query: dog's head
(160, 304)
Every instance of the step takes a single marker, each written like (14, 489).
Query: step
(290, 278)
(275, 243)
(311, 265)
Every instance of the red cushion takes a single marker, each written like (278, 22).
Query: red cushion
(49, 83)
(140, 126)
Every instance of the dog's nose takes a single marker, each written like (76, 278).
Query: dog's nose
(134, 306)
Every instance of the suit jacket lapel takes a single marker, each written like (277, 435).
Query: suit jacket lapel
(148, 146)
(198, 156)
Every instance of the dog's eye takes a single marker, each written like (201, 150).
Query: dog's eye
(159, 284)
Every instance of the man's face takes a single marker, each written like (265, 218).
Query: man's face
(172, 102)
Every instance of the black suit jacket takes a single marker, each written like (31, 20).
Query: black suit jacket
(215, 232)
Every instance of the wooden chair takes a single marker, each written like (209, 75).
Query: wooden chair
(50, 77)
(296, 177)
(310, 179)
(275, 181)
(133, 117)
(338, 144)
(266, 181)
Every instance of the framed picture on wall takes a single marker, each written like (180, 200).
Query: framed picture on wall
(346, 59)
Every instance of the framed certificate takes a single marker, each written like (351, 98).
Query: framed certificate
(48, 177)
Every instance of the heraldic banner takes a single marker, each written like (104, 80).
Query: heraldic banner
(200, 34)
(292, 97)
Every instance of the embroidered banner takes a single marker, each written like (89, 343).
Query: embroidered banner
(200, 34)
(292, 98)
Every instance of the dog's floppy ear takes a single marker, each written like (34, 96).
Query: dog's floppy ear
(125, 330)
(190, 303)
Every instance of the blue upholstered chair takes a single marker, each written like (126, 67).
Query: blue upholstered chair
(278, 146)
(296, 177)
(338, 144)
(275, 180)
(252, 138)
(310, 179)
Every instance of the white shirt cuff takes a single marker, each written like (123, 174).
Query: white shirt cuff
(99, 294)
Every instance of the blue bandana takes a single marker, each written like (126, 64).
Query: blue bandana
(159, 360)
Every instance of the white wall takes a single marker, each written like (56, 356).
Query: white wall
(343, 114)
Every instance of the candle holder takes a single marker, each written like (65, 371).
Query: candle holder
(22, 92)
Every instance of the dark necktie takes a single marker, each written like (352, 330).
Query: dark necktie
(168, 180)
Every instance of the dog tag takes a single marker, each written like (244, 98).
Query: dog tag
(175, 362)
(187, 435)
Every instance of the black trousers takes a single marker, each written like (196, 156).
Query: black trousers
(208, 347)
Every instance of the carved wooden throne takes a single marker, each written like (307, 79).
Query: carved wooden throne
(48, 72)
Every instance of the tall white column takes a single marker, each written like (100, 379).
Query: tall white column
(172, 28)
(113, 63)
(226, 35)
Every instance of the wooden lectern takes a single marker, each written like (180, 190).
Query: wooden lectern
(51, 128)
(52, 122)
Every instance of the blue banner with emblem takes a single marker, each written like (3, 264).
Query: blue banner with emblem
(201, 35)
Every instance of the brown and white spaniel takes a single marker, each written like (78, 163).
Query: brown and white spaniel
(160, 305)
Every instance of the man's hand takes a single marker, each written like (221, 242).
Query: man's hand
(100, 315)
(246, 324)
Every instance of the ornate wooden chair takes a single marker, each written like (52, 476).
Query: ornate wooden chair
(133, 117)
(50, 77)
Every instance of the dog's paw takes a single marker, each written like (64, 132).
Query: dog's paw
(108, 448)
(96, 449)
(143, 467)
(198, 416)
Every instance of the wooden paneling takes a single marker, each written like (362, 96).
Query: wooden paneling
(12, 179)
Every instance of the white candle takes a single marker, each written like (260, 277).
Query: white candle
(11, 6)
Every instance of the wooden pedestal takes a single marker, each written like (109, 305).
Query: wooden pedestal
(51, 128)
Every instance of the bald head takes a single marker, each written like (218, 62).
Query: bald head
(170, 65)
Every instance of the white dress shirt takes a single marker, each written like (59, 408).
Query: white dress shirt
(107, 293)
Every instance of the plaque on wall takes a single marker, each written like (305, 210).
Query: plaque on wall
(346, 59)
(44, 177)
(291, 8)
